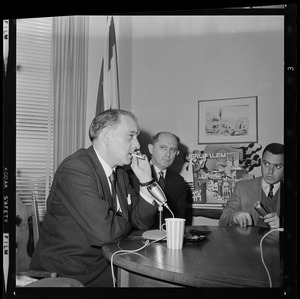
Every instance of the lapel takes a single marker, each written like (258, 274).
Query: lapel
(101, 174)
(154, 173)
(259, 189)
(167, 175)
(122, 194)
(255, 196)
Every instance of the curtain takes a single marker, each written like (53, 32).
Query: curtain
(70, 60)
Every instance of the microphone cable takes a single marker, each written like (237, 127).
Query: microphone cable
(170, 210)
(261, 253)
(128, 251)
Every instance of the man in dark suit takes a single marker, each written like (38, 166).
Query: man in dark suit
(82, 214)
(163, 150)
(239, 210)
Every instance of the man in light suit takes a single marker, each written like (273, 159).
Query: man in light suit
(81, 213)
(239, 210)
(163, 150)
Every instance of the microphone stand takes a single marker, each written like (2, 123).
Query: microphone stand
(159, 196)
(160, 210)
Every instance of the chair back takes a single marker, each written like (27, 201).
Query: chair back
(22, 236)
(35, 207)
(27, 232)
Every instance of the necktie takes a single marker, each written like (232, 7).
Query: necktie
(112, 179)
(270, 195)
(161, 180)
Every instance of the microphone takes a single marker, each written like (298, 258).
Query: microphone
(160, 197)
(158, 194)
(261, 208)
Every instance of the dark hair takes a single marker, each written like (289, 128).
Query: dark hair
(107, 118)
(156, 136)
(274, 148)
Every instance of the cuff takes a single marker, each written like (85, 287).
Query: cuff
(147, 183)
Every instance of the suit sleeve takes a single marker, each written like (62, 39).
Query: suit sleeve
(81, 193)
(176, 193)
(180, 210)
(142, 212)
(233, 205)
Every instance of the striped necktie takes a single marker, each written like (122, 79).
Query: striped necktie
(161, 180)
(270, 195)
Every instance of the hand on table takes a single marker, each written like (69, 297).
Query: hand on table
(243, 219)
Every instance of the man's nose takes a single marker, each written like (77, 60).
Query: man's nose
(271, 169)
(136, 144)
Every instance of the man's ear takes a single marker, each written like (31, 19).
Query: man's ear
(150, 148)
(105, 135)
(177, 153)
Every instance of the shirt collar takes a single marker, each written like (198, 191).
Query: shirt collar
(157, 170)
(266, 186)
(107, 169)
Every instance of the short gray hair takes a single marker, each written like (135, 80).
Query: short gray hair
(107, 118)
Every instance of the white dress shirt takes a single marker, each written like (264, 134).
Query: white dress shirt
(158, 171)
(108, 171)
(266, 187)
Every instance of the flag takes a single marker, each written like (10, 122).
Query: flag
(108, 90)
(100, 96)
(110, 75)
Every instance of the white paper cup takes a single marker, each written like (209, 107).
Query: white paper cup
(175, 232)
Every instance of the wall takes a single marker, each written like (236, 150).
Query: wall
(167, 64)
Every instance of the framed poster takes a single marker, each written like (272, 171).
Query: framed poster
(232, 120)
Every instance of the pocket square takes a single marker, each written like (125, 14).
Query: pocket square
(129, 199)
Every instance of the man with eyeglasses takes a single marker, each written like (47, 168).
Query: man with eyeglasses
(163, 150)
(240, 208)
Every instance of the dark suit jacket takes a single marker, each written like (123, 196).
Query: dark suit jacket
(244, 195)
(175, 191)
(80, 219)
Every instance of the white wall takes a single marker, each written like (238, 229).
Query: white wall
(167, 64)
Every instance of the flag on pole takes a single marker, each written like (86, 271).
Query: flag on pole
(100, 96)
(108, 90)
